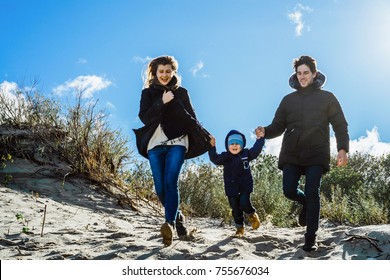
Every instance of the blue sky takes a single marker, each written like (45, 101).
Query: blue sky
(235, 56)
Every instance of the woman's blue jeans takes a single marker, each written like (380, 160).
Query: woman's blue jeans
(311, 195)
(166, 163)
(240, 203)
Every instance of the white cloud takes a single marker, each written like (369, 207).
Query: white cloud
(110, 105)
(88, 85)
(8, 88)
(369, 144)
(8, 91)
(142, 60)
(297, 18)
(197, 68)
(272, 146)
(11, 103)
(82, 61)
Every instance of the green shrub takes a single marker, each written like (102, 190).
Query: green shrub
(358, 193)
(267, 197)
(201, 190)
(139, 180)
(358, 209)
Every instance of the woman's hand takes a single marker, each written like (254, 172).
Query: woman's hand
(167, 96)
(212, 141)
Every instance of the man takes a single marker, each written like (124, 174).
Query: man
(304, 117)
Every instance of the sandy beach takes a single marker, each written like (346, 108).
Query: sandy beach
(47, 215)
(83, 223)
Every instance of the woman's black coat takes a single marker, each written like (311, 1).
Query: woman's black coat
(177, 118)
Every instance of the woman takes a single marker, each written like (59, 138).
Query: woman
(171, 134)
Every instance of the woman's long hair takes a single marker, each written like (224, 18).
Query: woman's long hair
(149, 75)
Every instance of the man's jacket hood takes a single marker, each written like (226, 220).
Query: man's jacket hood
(318, 81)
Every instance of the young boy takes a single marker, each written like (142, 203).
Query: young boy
(237, 175)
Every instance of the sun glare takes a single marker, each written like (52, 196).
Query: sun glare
(379, 29)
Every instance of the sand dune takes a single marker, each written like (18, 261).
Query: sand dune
(81, 221)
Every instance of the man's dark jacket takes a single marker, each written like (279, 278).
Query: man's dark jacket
(304, 117)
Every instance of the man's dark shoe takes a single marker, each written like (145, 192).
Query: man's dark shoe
(302, 216)
(180, 228)
(310, 244)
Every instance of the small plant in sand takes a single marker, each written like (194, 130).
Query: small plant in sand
(24, 222)
(4, 159)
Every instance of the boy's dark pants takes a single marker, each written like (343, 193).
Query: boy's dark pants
(240, 203)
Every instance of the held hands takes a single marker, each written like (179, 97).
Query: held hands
(342, 158)
(260, 132)
(167, 96)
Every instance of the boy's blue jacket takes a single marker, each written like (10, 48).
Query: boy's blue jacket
(237, 175)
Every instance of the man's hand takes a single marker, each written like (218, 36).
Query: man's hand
(342, 158)
(260, 132)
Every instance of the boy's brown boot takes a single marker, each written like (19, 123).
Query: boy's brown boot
(240, 232)
(167, 234)
(255, 221)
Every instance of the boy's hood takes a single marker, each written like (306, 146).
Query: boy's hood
(234, 132)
